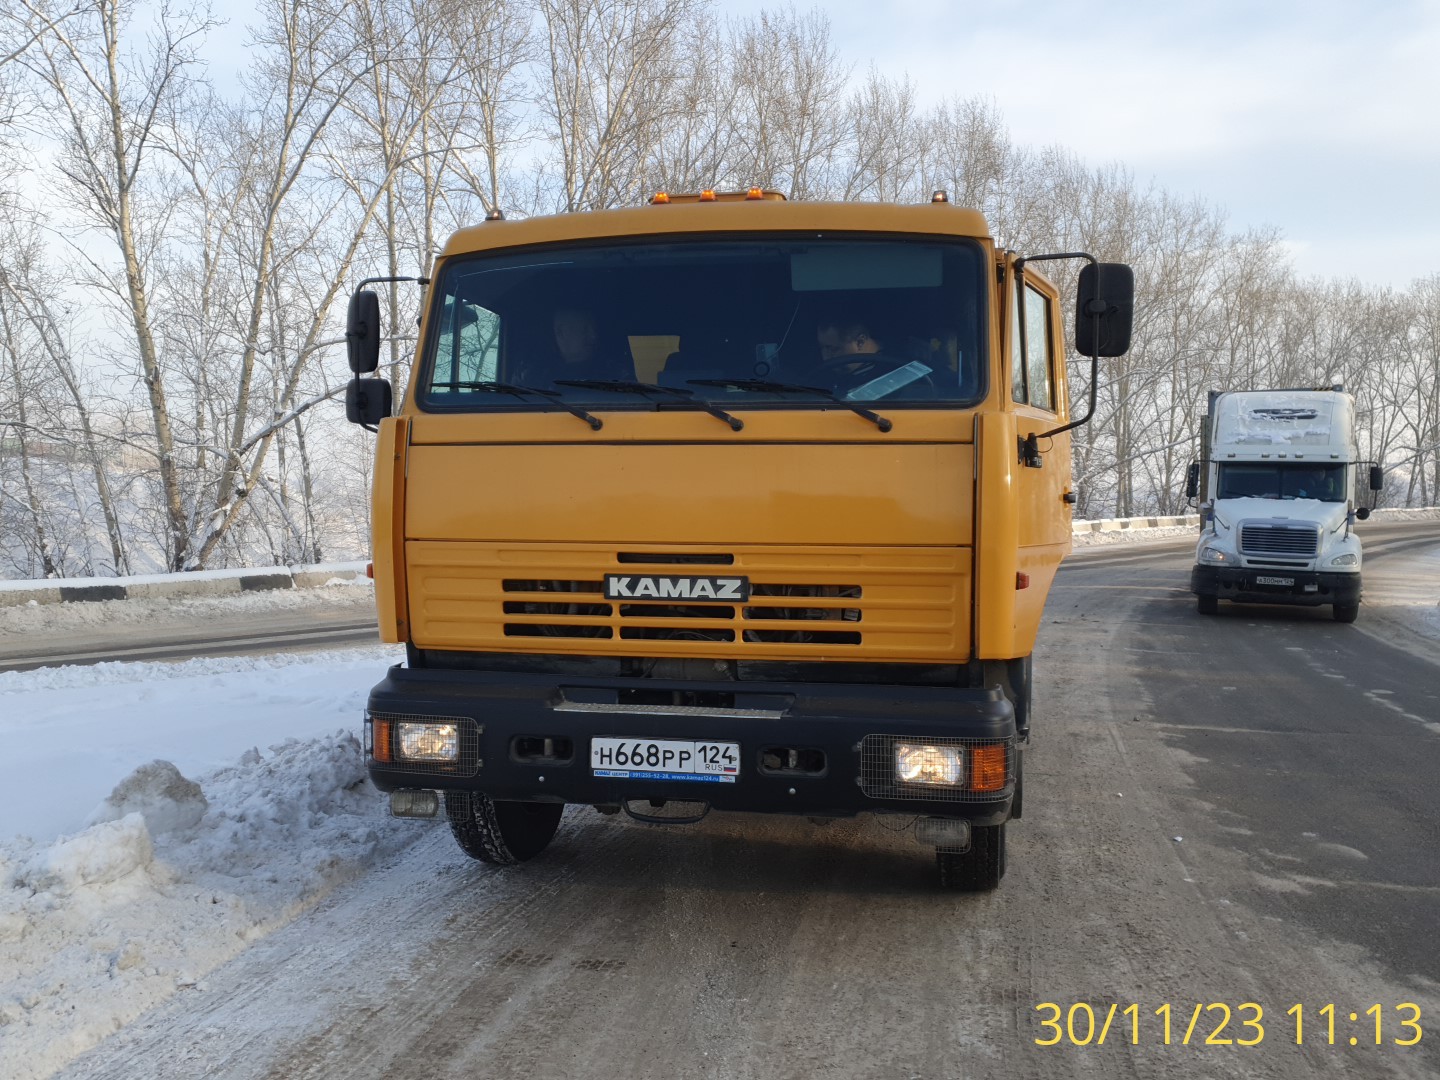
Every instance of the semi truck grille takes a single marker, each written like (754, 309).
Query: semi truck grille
(1293, 540)
(872, 602)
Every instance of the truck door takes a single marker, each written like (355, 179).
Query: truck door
(1038, 394)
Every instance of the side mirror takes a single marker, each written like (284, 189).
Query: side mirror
(1362, 513)
(1192, 480)
(1377, 478)
(367, 401)
(362, 332)
(1104, 309)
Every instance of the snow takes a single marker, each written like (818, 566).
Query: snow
(43, 619)
(99, 926)
(1131, 536)
(162, 839)
(156, 819)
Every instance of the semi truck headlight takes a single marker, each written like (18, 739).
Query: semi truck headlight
(428, 742)
(919, 763)
(1348, 559)
(1215, 556)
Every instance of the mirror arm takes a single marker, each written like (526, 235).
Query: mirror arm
(421, 281)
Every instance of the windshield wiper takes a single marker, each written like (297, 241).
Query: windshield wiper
(764, 387)
(520, 391)
(626, 386)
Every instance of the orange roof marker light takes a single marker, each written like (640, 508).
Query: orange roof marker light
(940, 196)
(754, 194)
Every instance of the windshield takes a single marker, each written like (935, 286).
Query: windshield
(1290, 481)
(734, 323)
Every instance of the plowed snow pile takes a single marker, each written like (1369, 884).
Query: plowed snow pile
(118, 901)
(173, 879)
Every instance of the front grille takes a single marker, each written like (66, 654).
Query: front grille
(870, 603)
(1293, 540)
(770, 603)
(878, 780)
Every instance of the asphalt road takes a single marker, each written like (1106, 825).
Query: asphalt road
(1220, 810)
(252, 634)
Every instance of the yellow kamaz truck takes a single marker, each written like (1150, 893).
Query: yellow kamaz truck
(723, 502)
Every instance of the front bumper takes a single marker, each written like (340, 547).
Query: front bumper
(841, 734)
(1308, 587)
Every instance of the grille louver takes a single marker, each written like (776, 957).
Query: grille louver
(769, 602)
(1298, 541)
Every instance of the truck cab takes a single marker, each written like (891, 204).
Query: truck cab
(1277, 506)
(722, 503)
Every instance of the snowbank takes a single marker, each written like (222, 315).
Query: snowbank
(99, 926)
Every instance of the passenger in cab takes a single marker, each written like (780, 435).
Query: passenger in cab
(581, 352)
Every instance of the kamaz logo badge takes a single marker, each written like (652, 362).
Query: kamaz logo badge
(632, 587)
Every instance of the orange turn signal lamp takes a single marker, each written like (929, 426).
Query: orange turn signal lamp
(381, 746)
(987, 768)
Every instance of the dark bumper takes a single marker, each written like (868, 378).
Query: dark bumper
(507, 717)
(1308, 587)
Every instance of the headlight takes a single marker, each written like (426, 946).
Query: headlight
(1348, 559)
(1215, 556)
(925, 764)
(428, 742)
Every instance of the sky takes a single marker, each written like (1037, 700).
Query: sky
(1321, 118)
(1318, 117)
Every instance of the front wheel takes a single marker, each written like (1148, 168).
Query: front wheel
(1345, 612)
(1208, 605)
(979, 869)
(501, 833)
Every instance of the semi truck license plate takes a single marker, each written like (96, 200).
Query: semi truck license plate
(1274, 581)
(665, 759)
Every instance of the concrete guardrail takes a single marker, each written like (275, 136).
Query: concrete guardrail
(199, 583)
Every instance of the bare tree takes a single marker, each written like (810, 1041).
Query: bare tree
(110, 100)
(610, 69)
(791, 102)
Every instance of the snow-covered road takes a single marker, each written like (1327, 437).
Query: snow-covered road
(124, 881)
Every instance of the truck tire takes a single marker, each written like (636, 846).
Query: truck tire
(1208, 605)
(1345, 612)
(979, 869)
(500, 833)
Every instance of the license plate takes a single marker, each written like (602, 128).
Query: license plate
(665, 759)
(1274, 581)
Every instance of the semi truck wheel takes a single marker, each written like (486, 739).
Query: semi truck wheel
(1345, 612)
(1208, 605)
(979, 869)
(501, 833)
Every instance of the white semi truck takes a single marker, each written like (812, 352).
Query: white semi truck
(1276, 484)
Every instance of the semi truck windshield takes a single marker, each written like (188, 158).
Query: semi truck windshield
(1242, 480)
(738, 323)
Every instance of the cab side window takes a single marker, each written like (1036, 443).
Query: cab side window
(468, 347)
(1032, 378)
